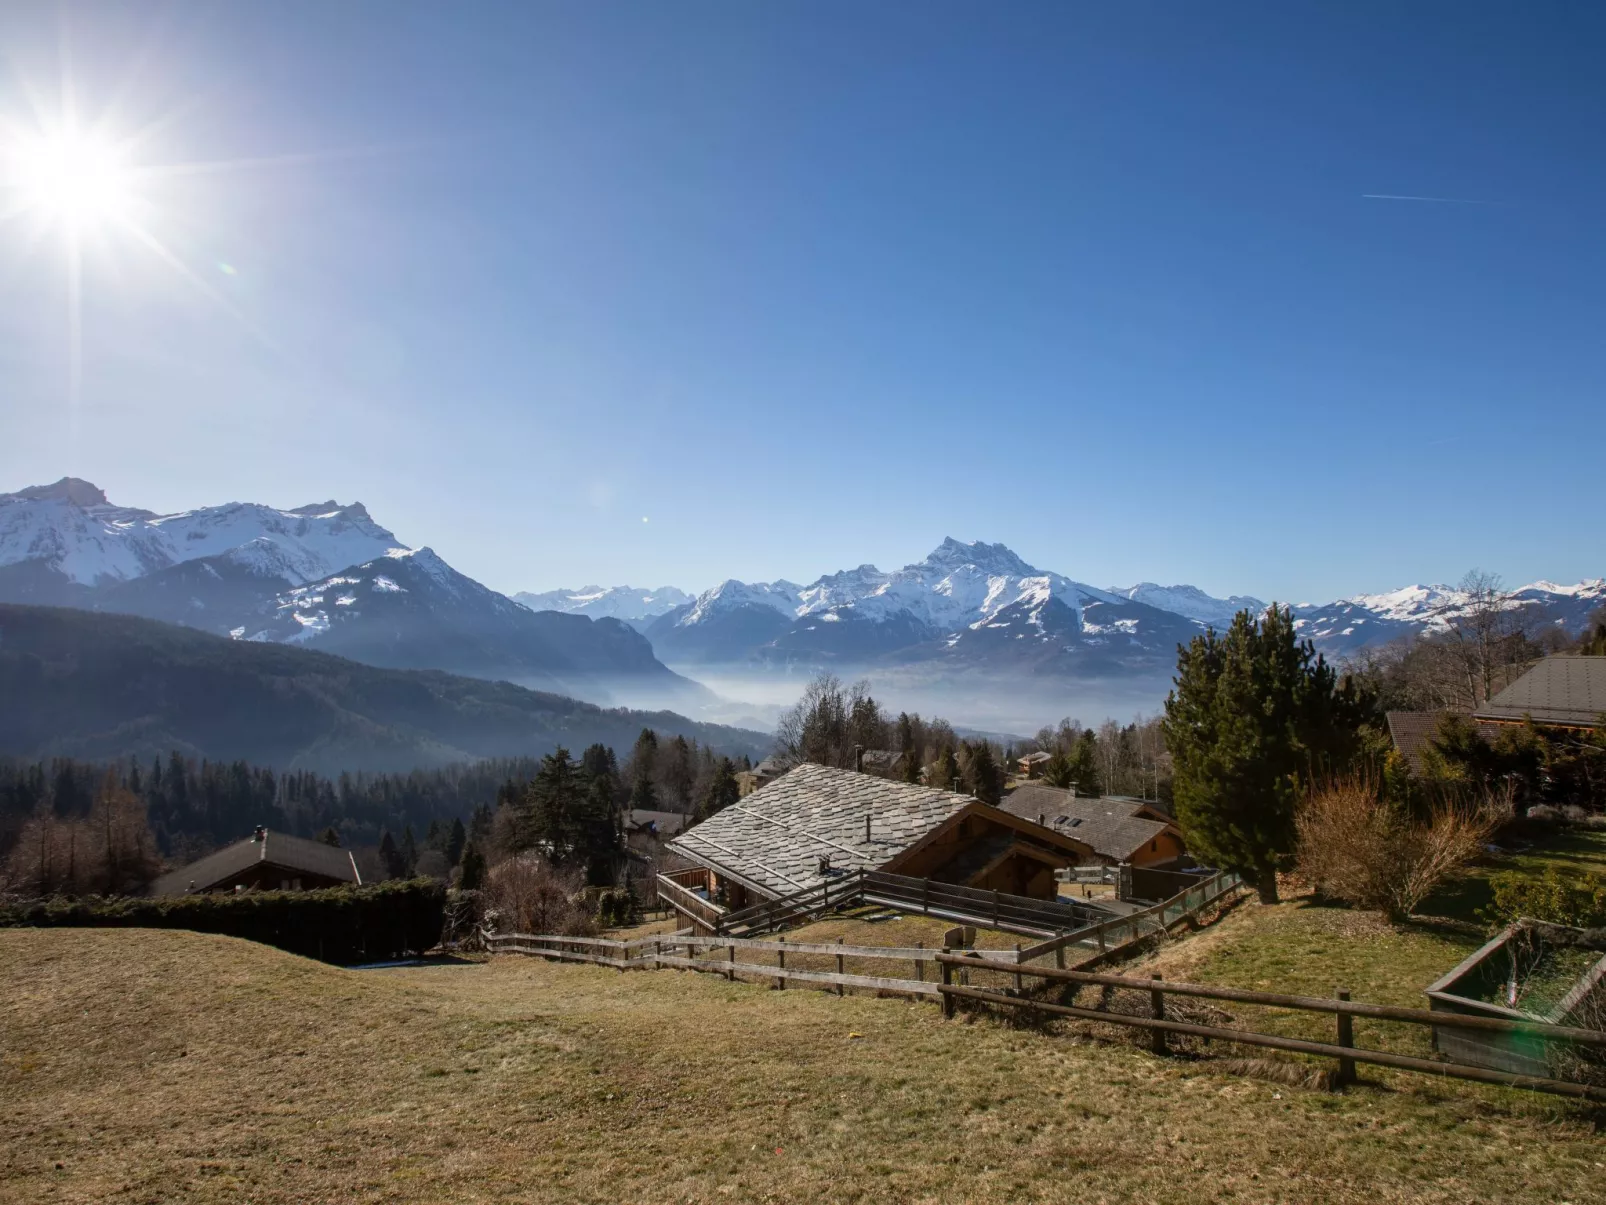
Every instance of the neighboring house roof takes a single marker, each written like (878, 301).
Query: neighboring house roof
(667, 823)
(1559, 690)
(1039, 756)
(1411, 731)
(882, 761)
(774, 838)
(296, 856)
(1110, 824)
(772, 767)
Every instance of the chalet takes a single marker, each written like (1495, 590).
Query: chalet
(1411, 732)
(1559, 692)
(816, 822)
(1119, 828)
(657, 824)
(884, 763)
(265, 861)
(1032, 764)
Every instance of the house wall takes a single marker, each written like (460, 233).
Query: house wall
(1167, 847)
(1018, 874)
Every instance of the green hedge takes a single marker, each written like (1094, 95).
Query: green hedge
(336, 924)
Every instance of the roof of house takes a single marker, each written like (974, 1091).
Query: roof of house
(665, 822)
(1412, 730)
(296, 855)
(879, 761)
(1559, 690)
(1036, 757)
(1111, 824)
(773, 766)
(774, 838)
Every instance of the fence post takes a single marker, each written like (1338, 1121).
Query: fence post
(1346, 1037)
(657, 954)
(995, 907)
(920, 964)
(780, 964)
(947, 981)
(1020, 982)
(730, 975)
(840, 969)
(1157, 1010)
(1059, 956)
(925, 896)
(1101, 935)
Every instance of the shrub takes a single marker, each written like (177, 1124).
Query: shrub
(527, 894)
(1374, 853)
(336, 924)
(1574, 899)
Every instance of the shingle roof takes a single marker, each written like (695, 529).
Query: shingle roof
(1412, 730)
(296, 855)
(665, 822)
(1039, 756)
(1559, 690)
(1110, 825)
(774, 838)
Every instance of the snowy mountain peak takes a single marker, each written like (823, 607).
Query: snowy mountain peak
(728, 595)
(1191, 602)
(629, 603)
(988, 558)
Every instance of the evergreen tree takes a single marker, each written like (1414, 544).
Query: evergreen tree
(456, 839)
(1082, 764)
(677, 774)
(330, 836)
(549, 816)
(911, 766)
(1253, 714)
(409, 851)
(1058, 771)
(945, 770)
(982, 778)
(643, 772)
(722, 790)
(390, 857)
(473, 876)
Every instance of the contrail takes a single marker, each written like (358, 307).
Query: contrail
(1388, 196)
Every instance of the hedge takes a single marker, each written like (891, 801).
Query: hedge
(336, 924)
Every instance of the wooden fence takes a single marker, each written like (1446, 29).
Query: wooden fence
(1343, 1049)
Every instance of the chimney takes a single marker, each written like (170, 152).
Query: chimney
(956, 786)
(261, 833)
(858, 758)
(1041, 818)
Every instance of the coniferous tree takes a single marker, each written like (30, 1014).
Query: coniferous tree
(473, 876)
(456, 839)
(408, 851)
(1253, 714)
(945, 771)
(330, 836)
(982, 778)
(1082, 764)
(390, 857)
(722, 790)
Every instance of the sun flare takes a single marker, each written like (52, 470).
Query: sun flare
(71, 178)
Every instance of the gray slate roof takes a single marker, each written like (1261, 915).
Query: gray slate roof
(295, 855)
(774, 838)
(1412, 730)
(1110, 825)
(1559, 690)
(667, 823)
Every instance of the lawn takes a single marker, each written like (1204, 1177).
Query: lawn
(148, 1066)
(1571, 849)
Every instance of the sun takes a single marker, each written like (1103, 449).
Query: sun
(69, 177)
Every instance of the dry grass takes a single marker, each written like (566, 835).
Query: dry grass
(150, 1066)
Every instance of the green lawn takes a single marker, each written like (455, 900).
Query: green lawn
(1571, 849)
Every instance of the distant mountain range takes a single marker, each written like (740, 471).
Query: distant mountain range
(323, 577)
(100, 687)
(968, 619)
(636, 607)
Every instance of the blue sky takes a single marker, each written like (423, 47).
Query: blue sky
(808, 285)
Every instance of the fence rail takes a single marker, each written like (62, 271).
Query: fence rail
(1344, 1050)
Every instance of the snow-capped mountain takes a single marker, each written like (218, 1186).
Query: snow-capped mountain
(1192, 602)
(634, 606)
(1367, 620)
(960, 598)
(324, 576)
(56, 538)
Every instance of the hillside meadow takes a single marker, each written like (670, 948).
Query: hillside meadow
(143, 1066)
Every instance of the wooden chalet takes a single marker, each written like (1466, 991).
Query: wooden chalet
(265, 861)
(1031, 766)
(1119, 828)
(1560, 692)
(815, 822)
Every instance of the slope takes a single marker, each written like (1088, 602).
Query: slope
(79, 684)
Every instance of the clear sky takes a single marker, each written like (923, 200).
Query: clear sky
(811, 284)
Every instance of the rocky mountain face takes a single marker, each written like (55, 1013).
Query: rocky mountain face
(325, 577)
(635, 606)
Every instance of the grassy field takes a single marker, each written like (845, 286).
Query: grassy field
(1570, 850)
(146, 1066)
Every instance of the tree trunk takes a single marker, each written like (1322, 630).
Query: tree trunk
(1267, 886)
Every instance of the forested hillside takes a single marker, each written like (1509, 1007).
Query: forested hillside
(100, 687)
